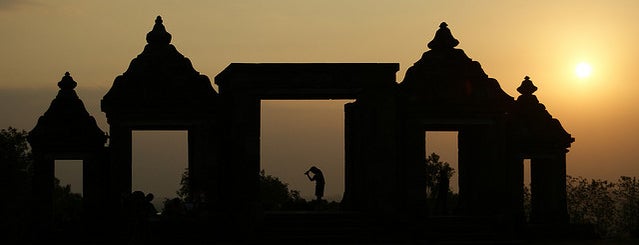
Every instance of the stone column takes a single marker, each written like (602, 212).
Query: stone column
(548, 189)
(413, 170)
(197, 160)
(517, 188)
(481, 171)
(353, 186)
(120, 169)
(203, 168)
(43, 175)
(241, 159)
(95, 190)
(467, 170)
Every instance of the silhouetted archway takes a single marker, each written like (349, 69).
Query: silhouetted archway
(242, 86)
(162, 91)
(66, 131)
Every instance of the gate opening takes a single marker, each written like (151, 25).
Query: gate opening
(296, 135)
(444, 144)
(527, 190)
(159, 158)
(67, 192)
(69, 172)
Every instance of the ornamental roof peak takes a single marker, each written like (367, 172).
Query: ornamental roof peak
(67, 82)
(158, 35)
(527, 87)
(443, 38)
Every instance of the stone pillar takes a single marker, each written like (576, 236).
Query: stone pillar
(43, 175)
(353, 167)
(203, 164)
(516, 179)
(197, 160)
(469, 171)
(413, 170)
(95, 190)
(241, 160)
(482, 174)
(120, 169)
(548, 189)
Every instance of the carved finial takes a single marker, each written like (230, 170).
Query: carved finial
(443, 38)
(67, 82)
(527, 87)
(158, 35)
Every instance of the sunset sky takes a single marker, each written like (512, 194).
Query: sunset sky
(546, 40)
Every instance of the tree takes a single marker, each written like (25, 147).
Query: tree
(275, 194)
(16, 162)
(627, 198)
(67, 205)
(592, 202)
(184, 192)
(612, 208)
(435, 172)
(15, 158)
(15, 169)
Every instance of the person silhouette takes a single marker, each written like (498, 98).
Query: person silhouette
(149, 208)
(318, 177)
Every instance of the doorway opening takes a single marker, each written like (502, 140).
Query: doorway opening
(444, 144)
(69, 172)
(159, 158)
(442, 155)
(67, 192)
(299, 134)
(527, 188)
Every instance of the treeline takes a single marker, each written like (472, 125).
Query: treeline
(611, 207)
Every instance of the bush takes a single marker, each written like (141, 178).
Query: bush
(275, 194)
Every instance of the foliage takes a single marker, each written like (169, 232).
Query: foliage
(275, 194)
(613, 208)
(591, 202)
(16, 161)
(15, 156)
(15, 170)
(184, 192)
(527, 201)
(627, 195)
(67, 205)
(435, 171)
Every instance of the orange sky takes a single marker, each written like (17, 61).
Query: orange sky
(95, 41)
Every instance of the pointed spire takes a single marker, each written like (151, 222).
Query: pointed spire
(158, 35)
(67, 82)
(527, 87)
(443, 38)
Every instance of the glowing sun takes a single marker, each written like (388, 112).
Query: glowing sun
(583, 70)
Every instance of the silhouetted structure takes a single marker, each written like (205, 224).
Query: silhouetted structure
(162, 91)
(67, 131)
(384, 132)
(447, 91)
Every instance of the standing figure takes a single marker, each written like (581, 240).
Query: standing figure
(318, 177)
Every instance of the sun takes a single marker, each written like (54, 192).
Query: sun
(583, 70)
